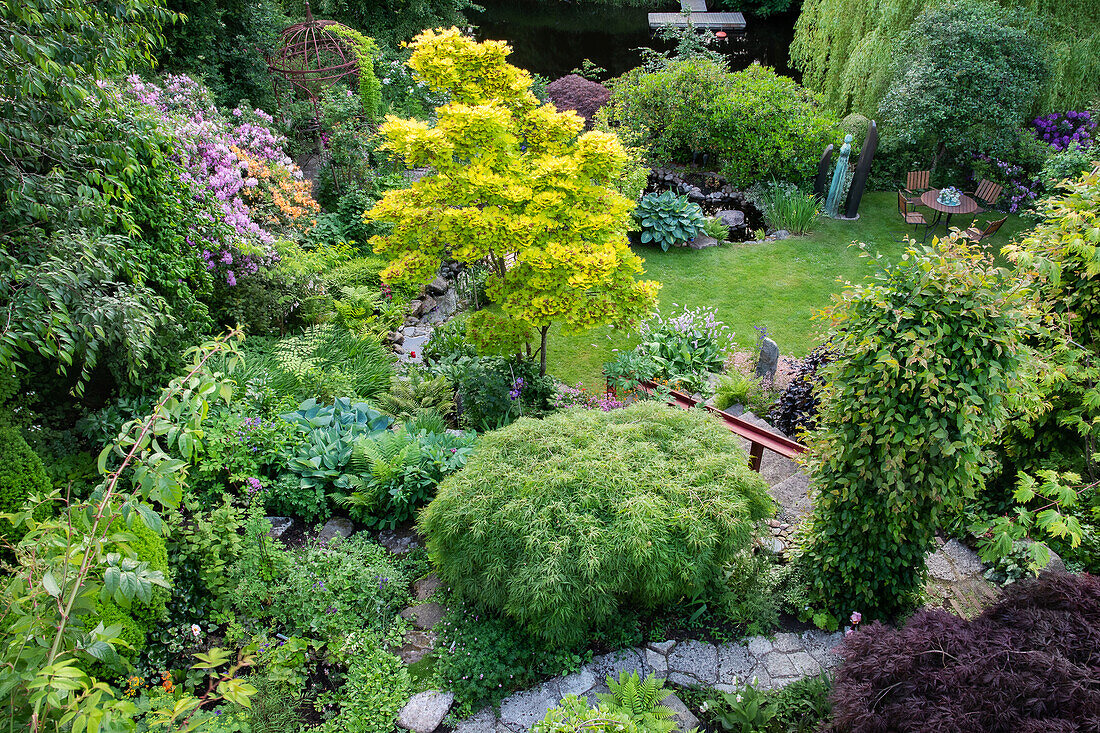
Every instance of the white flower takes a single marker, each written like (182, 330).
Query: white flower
(195, 630)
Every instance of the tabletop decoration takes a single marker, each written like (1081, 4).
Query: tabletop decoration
(950, 196)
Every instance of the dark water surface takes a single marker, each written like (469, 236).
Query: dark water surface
(553, 38)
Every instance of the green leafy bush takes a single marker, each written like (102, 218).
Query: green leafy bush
(418, 391)
(787, 207)
(448, 342)
(736, 389)
(494, 391)
(21, 475)
(376, 687)
(715, 228)
(322, 362)
(573, 715)
(1067, 164)
(334, 590)
(756, 124)
(668, 220)
(968, 72)
(141, 617)
(484, 657)
(686, 346)
(641, 700)
(328, 435)
(927, 368)
(558, 522)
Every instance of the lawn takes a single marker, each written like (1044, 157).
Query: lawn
(778, 285)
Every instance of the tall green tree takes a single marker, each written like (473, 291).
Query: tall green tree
(95, 274)
(967, 74)
(514, 183)
(225, 42)
(846, 49)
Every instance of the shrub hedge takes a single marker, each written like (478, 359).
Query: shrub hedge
(557, 522)
(755, 124)
(21, 474)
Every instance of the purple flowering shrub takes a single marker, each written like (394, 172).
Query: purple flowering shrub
(1061, 130)
(251, 200)
(227, 159)
(1021, 186)
(1028, 664)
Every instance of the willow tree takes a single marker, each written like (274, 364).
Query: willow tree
(845, 49)
(513, 183)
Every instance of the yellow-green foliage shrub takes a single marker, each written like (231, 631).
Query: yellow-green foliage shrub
(558, 522)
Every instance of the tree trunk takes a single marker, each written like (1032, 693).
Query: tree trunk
(542, 351)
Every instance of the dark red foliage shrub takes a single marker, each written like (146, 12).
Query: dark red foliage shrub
(577, 93)
(1028, 664)
(796, 410)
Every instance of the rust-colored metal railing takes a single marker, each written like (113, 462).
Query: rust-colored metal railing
(760, 439)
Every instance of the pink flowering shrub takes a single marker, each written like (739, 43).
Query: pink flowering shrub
(578, 396)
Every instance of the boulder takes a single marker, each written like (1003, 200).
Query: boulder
(437, 286)
(685, 719)
(731, 217)
(425, 711)
(335, 527)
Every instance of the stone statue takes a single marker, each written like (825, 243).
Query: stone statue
(832, 203)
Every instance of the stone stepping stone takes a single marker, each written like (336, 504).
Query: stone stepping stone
(425, 616)
(415, 646)
(335, 527)
(793, 495)
(425, 711)
(426, 587)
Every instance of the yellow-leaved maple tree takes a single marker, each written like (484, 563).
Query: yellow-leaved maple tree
(516, 184)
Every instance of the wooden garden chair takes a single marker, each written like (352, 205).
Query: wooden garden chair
(909, 216)
(986, 194)
(974, 234)
(916, 183)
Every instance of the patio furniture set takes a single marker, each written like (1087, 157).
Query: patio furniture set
(947, 201)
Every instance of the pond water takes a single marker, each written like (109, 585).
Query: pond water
(553, 38)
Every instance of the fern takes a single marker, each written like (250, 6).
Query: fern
(417, 392)
(323, 362)
(641, 700)
(426, 420)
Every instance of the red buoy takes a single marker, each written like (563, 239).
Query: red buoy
(720, 34)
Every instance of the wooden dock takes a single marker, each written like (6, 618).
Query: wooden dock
(710, 21)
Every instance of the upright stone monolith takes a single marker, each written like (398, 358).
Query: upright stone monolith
(823, 171)
(863, 169)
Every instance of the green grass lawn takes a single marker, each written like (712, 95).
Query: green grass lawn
(778, 285)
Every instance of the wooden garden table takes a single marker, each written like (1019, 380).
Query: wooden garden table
(966, 205)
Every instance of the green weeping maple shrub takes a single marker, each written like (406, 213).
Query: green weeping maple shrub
(559, 522)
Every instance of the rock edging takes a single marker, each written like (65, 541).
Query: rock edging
(773, 663)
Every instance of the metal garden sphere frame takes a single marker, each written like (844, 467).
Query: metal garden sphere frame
(312, 56)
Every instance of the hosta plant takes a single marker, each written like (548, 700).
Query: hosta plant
(668, 219)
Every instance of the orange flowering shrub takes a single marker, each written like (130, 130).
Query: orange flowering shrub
(277, 198)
